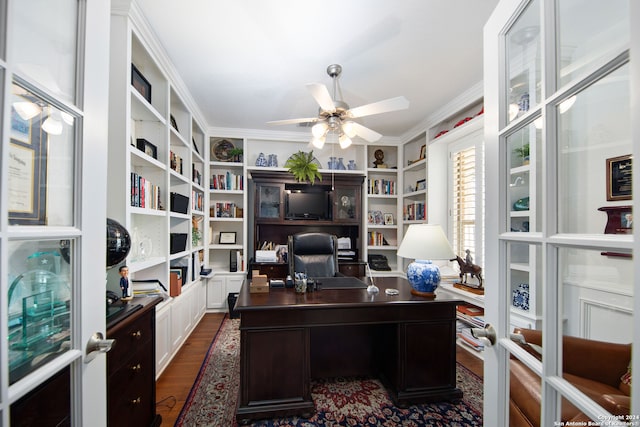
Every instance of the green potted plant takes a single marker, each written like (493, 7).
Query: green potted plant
(301, 165)
(236, 154)
(523, 153)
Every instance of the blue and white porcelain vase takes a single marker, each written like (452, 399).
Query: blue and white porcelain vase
(273, 161)
(261, 160)
(424, 276)
(332, 163)
(340, 165)
(351, 165)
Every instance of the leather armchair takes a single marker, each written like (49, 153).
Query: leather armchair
(315, 254)
(594, 367)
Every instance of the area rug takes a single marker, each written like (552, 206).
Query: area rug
(339, 401)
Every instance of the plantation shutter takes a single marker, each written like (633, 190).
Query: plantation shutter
(464, 201)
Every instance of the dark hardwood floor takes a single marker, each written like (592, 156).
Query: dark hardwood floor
(173, 386)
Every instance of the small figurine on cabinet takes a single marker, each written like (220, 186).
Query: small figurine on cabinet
(468, 267)
(127, 292)
(379, 163)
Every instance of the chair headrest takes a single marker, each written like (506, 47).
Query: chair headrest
(313, 243)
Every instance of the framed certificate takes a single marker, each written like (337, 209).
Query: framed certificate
(227, 237)
(619, 174)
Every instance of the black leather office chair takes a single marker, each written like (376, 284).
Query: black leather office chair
(315, 254)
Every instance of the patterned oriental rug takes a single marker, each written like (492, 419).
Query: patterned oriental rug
(339, 401)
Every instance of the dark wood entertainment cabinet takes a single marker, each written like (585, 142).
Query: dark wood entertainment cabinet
(270, 221)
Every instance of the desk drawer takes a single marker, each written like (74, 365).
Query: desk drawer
(354, 269)
(272, 270)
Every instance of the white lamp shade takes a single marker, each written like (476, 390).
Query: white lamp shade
(425, 242)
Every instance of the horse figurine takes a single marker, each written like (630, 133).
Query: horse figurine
(469, 268)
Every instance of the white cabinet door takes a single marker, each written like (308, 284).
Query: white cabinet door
(163, 338)
(215, 292)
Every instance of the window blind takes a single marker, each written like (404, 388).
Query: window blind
(464, 201)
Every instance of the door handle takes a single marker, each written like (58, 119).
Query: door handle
(488, 334)
(97, 344)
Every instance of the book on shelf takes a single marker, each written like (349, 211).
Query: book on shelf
(175, 162)
(196, 176)
(225, 210)
(471, 310)
(471, 315)
(376, 238)
(415, 211)
(144, 194)
(466, 337)
(197, 201)
(381, 186)
(226, 181)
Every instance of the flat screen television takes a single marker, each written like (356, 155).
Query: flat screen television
(308, 204)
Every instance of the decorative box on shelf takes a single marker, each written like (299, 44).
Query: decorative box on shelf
(520, 297)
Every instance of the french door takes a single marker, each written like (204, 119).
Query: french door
(562, 88)
(54, 62)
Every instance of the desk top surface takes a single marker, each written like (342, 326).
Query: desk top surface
(287, 298)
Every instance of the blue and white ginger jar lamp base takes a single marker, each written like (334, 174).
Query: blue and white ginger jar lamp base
(424, 277)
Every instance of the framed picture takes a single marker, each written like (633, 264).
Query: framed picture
(282, 252)
(421, 184)
(141, 84)
(626, 219)
(27, 163)
(423, 152)
(388, 219)
(619, 174)
(148, 148)
(173, 122)
(227, 237)
(379, 219)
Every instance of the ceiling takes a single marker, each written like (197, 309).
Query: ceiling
(246, 62)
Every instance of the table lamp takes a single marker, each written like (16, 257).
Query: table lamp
(424, 243)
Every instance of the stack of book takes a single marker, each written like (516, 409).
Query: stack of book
(470, 317)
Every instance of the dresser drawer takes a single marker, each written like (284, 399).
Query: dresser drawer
(129, 338)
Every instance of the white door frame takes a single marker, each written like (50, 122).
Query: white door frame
(87, 380)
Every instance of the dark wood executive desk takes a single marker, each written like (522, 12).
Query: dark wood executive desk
(288, 338)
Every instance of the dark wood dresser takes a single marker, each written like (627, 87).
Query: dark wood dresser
(131, 382)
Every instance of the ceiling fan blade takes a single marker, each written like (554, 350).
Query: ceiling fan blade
(322, 96)
(293, 121)
(391, 104)
(365, 132)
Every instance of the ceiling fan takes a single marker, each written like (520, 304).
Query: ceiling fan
(335, 116)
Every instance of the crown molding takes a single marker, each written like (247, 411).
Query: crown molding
(156, 50)
(459, 103)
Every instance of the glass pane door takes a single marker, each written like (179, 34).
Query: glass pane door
(560, 239)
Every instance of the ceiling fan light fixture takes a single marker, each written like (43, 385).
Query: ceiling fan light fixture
(319, 129)
(349, 129)
(318, 142)
(344, 141)
(52, 126)
(27, 110)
